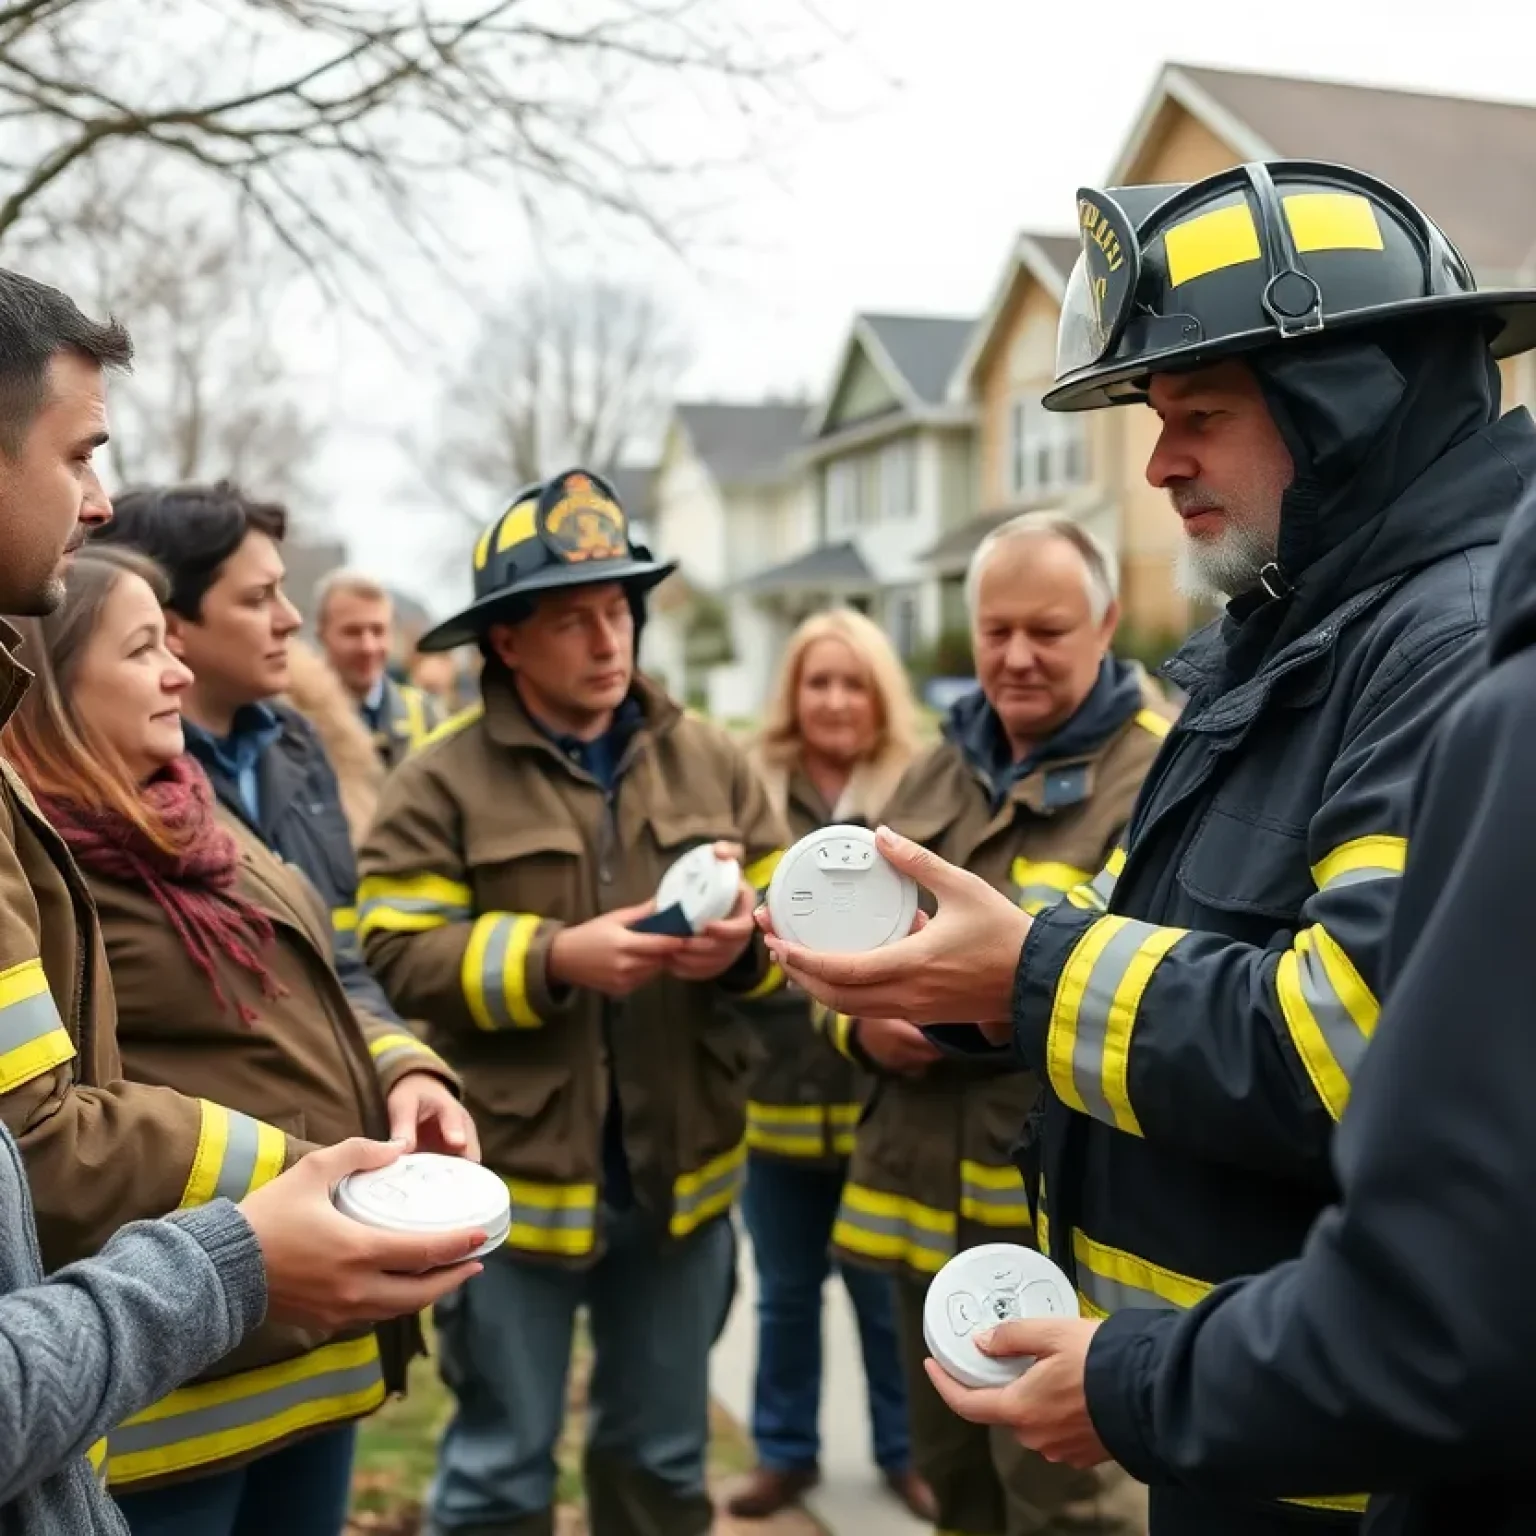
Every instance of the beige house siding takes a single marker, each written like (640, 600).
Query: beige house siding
(863, 392)
(1181, 148)
(1022, 357)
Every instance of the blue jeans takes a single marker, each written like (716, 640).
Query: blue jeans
(789, 1211)
(301, 1490)
(655, 1308)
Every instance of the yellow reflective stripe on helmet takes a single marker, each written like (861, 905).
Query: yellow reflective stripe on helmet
(33, 1039)
(1332, 221)
(552, 1218)
(1042, 885)
(993, 1195)
(483, 547)
(410, 903)
(386, 1050)
(1211, 242)
(707, 1192)
(235, 1154)
(1093, 1014)
(1330, 1012)
(216, 1420)
(494, 971)
(894, 1228)
(760, 872)
(1150, 720)
(1362, 858)
(517, 526)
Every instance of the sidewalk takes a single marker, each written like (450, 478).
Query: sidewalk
(850, 1500)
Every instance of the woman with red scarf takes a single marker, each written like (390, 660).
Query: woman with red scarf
(221, 963)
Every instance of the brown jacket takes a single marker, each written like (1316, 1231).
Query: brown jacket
(932, 1171)
(321, 697)
(806, 1097)
(489, 840)
(100, 1151)
(308, 1064)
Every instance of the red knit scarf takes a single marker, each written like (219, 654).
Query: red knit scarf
(194, 886)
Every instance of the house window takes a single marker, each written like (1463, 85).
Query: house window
(1047, 450)
(842, 493)
(869, 488)
(901, 623)
(898, 481)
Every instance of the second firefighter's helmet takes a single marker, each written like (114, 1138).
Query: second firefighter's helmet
(1174, 277)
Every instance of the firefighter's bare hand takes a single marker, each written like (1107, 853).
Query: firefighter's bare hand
(1047, 1407)
(325, 1270)
(717, 946)
(605, 955)
(959, 966)
(426, 1116)
(896, 1045)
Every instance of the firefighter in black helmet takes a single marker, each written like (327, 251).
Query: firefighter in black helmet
(1324, 369)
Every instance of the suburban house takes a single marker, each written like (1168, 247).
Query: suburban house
(932, 431)
(889, 463)
(729, 500)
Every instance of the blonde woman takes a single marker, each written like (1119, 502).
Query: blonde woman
(840, 732)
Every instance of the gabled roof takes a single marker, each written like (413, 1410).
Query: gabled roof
(633, 484)
(1048, 260)
(744, 444)
(914, 354)
(838, 566)
(1468, 163)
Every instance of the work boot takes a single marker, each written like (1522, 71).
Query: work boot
(764, 1491)
(914, 1493)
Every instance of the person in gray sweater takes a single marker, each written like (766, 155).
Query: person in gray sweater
(99, 1340)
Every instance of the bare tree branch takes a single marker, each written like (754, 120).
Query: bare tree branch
(564, 372)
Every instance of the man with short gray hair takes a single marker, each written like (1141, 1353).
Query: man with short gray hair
(355, 622)
(1029, 790)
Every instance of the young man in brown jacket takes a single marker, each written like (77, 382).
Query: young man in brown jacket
(1029, 790)
(512, 857)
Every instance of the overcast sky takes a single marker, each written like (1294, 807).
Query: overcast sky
(947, 126)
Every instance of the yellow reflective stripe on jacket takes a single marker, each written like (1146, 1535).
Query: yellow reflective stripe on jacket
(773, 979)
(494, 972)
(707, 1192)
(1110, 1280)
(1365, 858)
(215, 1420)
(1095, 895)
(1042, 885)
(386, 1050)
(837, 1027)
(1042, 1219)
(411, 903)
(33, 1039)
(415, 717)
(344, 919)
(552, 1218)
(992, 1195)
(235, 1154)
(894, 1228)
(845, 1126)
(791, 1130)
(760, 871)
(1330, 1012)
(1149, 720)
(454, 724)
(1088, 1043)
(96, 1455)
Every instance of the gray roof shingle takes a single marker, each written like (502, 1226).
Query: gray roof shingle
(1061, 251)
(924, 347)
(839, 565)
(745, 444)
(1468, 164)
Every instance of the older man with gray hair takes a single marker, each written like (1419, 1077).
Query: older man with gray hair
(1030, 790)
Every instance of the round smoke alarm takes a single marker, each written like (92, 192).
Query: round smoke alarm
(702, 885)
(834, 891)
(979, 1289)
(425, 1192)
